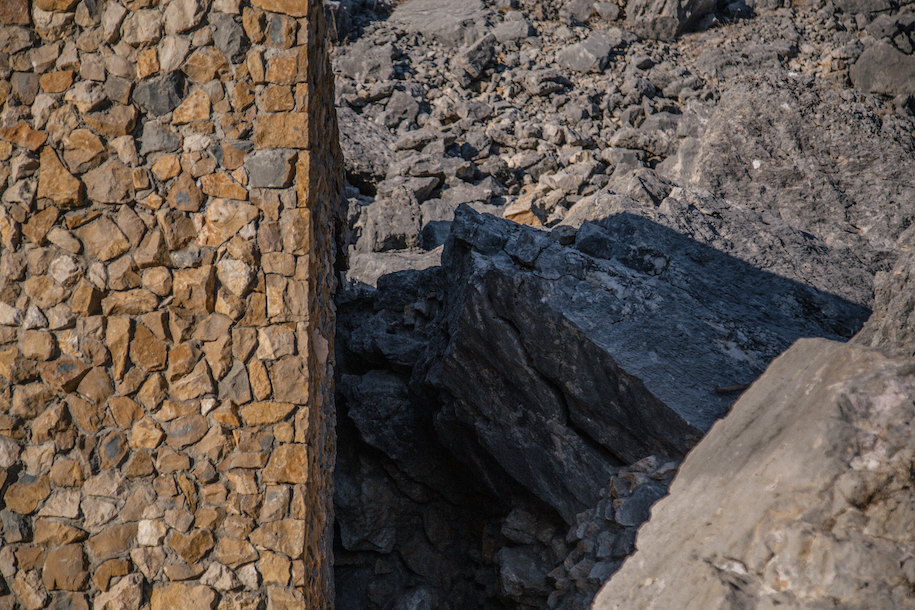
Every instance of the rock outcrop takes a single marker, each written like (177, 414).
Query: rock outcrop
(799, 498)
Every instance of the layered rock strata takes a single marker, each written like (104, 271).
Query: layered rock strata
(170, 183)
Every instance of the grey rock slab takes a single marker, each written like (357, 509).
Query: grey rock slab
(368, 267)
(157, 138)
(229, 36)
(665, 19)
(512, 30)
(379, 404)
(795, 471)
(451, 22)
(391, 223)
(885, 70)
(274, 168)
(420, 187)
(161, 94)
(365, 61)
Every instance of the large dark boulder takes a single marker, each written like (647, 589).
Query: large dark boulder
(560, 362)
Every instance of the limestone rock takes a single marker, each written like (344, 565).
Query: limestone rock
(183, 596)
(65, 568)
(795, 442)
(56, 183)
(110, 183)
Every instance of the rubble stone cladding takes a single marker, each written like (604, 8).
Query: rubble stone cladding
(170, 187)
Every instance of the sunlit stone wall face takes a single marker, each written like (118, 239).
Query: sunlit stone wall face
(170, 184)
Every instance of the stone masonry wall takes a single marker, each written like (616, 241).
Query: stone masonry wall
(170, 182)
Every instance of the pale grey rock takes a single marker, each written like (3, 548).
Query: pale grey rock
(811, 460)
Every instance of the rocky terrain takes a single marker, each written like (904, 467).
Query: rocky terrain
(578, 230)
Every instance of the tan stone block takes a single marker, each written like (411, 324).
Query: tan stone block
(87, 416)
(166, 167)
(31, 591)
(158, 280)
(38, 345)
(259, 379)
(215, 444)
(56, 183)
(129, 302)
(83, 150)
(277, 98)
(44, 291)
(223, 220)
(242, 95)
(282, 130)
(104, 239)
(289, 377)
(146, 434)
(110, 569)
(147, 351)
(254, 23)
(56, 6)
(65, 568)
(205, 64)
(187, 430)
(153, 392)
(15, 12)
(221, 185)
(27, 493)
(194, 289)
(52, 533)
(234, 552)
(147, 63)
(112, 541)
(36, 229)
(139, 465)
(183, 596)
(22, 135)
(265, 413)
(96, 386)
(110, 183)
(242, 482)
(67, 473)
(183, 571)
(124, 410)
(149, 561)
(285, 432)
(235, 275)
(87, 300)
(63, 374)
(274, 569)
(219, 355)
(286, 537)
(56, 82)
(64, 239)
(293, 8)
(184, 195)
(288, 464)
(196, 107)
(119, 120)
(172, 461)
(192, 546)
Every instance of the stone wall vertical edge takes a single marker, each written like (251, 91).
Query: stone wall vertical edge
(170, 189)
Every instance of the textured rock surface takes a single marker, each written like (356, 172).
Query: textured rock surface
(805, 509)
(166, 327)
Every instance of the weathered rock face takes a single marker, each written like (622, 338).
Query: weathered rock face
(170, 192)
(792, 147)
(798, 498)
